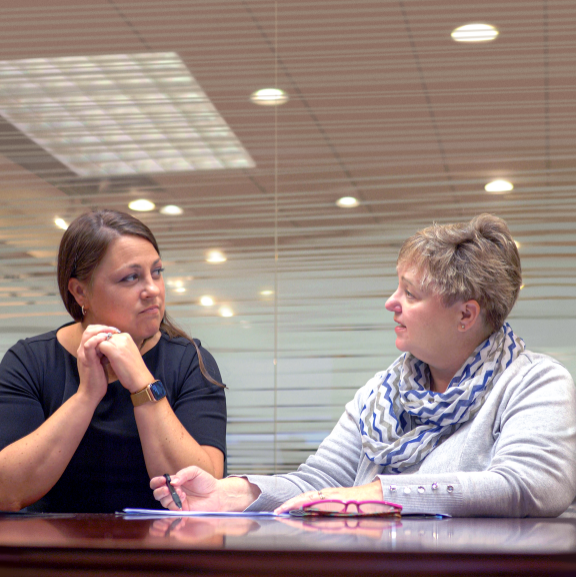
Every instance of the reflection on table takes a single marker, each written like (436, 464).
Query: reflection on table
(268, 545)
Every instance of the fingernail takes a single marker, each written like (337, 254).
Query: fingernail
(115, 329)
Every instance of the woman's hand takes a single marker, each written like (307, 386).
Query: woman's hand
(197, 489)
(200, 491)
(91, 362)
(370, 492)
(125, 359)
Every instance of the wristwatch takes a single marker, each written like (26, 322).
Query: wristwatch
(153, 392)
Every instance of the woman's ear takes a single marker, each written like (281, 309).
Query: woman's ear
(79, 291)
(469, 314)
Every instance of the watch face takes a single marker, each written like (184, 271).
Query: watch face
(158, 391)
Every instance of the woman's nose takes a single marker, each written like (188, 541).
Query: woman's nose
(393, 304)
(151, 288)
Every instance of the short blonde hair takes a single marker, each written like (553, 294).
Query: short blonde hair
(476, 260)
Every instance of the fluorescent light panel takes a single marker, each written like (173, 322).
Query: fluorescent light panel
(474, 33)
(118, 114)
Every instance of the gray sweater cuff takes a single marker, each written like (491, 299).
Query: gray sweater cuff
(430, 497)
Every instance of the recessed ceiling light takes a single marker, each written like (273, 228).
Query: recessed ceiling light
(347, 202)
(226, 312)
(215, 257)
(474, 33)
(176, 284)
(269, 97)
(171, 210)
(119, 114)
(266, 292)
(499, 186)
(61, 223)
(141, 205)
(206, 301)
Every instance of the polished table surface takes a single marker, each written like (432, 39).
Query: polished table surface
(119, 545)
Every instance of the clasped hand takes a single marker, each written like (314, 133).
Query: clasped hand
(98, 353)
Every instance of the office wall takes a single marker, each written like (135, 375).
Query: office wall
(383, 106)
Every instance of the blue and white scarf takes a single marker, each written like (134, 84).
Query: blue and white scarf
(403, 421)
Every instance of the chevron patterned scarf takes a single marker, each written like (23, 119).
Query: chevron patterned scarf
(403, 421)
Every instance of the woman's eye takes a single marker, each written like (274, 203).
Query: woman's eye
(158, 272)
(130, 278)
(409, 294)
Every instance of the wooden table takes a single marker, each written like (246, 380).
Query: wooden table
(82, 545)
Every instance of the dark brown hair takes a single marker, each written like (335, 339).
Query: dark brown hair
(82, 249)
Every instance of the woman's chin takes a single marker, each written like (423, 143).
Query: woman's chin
(144, 333)
(401, 345)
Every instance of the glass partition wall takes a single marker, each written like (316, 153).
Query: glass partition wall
(280, 215)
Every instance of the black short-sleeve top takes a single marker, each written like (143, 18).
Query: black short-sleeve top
(107, 472)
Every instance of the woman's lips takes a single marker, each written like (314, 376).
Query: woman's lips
(399, 327)
(150, 310)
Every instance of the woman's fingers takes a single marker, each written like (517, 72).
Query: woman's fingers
(195, 481)
(126, 361)
(157, 482)
(91, 360)
(163, 495)
(309, 497)
(93, 336)
(194, 486)
(370, 492)
(92, 330)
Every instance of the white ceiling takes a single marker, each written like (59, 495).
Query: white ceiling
(383, 106)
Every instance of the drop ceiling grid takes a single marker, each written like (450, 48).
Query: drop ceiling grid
(358, 121)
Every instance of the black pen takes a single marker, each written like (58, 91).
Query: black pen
(173, 491)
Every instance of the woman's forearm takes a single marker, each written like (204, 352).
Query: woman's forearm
(167, 445)
(31, 466)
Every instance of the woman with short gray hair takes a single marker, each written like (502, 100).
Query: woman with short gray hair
(465, 422)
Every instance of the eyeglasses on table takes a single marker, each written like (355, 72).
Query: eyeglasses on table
(338, 508)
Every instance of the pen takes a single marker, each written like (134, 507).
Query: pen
(173, 491)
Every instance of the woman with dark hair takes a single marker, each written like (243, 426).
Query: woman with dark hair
(90, 411)
(467, 421)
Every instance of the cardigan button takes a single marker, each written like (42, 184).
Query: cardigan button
(407, 490)
(450, 489)
(392, 488)
(434, 486)
(421, 490)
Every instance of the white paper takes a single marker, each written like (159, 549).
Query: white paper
(168, 513)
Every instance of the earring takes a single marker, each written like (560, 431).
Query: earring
(83, 311)
(463, 326)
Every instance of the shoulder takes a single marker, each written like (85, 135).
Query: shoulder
(530, 365)
(32, 358)
(537, 378)
(179, 346)
(181, 355)
(174, 343)
(40, 340)
(38, 345)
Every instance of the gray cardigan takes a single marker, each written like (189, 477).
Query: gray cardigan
(516, 458)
